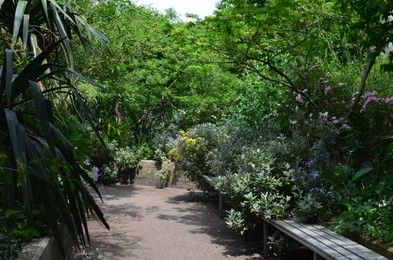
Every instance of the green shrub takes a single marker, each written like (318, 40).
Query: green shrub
(259, 189)
(191, 150)
(115, 162)
(9, 248)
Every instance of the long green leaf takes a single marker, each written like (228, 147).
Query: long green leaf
(1, 3)
(8, 190)
(50, 207)
(76, 208)
(19, 12)
(87, 79)
(26, 24)
(34, 45)
(63, 34)
(36, 154)
(7, 76)
(43, 115)
(61, 204)
(361, 172)
(45, 9)
(32, 71)
(91, 30)
(69, 148)
(96, 209)
(17, 137)
(56, 6)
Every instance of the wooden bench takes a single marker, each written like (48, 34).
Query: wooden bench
(322, 241)
(208, 183)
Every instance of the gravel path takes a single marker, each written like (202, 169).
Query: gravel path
(151, 223)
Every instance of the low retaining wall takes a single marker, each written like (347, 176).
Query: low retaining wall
(47, 249)
(147, 169)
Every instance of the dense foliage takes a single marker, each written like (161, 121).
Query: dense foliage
(288, 102)
(308, 135)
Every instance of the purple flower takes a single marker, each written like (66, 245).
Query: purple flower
(389, 101)
(299, 98)
(368, 98)
(327, 90)
(314, 175)
(345, 126)
(357, 142)
(310, 163)
(96, 171)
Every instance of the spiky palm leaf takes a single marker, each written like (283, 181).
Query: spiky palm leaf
(40, 161)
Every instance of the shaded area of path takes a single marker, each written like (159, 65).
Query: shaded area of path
(151, 223)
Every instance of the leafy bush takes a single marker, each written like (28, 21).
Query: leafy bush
(9, 248)
(163, 177)
(281, 244)
(116, 163)
(191, 149)
(259, 188)
(305, 169)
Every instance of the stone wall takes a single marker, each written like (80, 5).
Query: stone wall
(147, 168)
(47, 248)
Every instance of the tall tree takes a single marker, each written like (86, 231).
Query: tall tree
(280, 41)
(156, 73)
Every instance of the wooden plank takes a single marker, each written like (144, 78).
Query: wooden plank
(299, 235)
(210, 180)
(327, 239)
(352, 246)
(323, 241)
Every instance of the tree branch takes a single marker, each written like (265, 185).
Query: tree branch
(362, 86)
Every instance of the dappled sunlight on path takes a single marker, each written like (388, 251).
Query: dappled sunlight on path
(150, 223)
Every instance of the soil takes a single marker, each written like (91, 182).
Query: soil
(151, 223)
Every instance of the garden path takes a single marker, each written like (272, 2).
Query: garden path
(150, 223)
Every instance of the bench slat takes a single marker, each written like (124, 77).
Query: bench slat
(323, 241)
(210, 180)
(352, 246)
(305, 239)
(330, 240)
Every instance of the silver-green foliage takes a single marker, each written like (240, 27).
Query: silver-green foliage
(258, 189)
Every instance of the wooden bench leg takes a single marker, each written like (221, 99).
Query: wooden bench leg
(220, 204)
(204, 189)
(265, 235)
